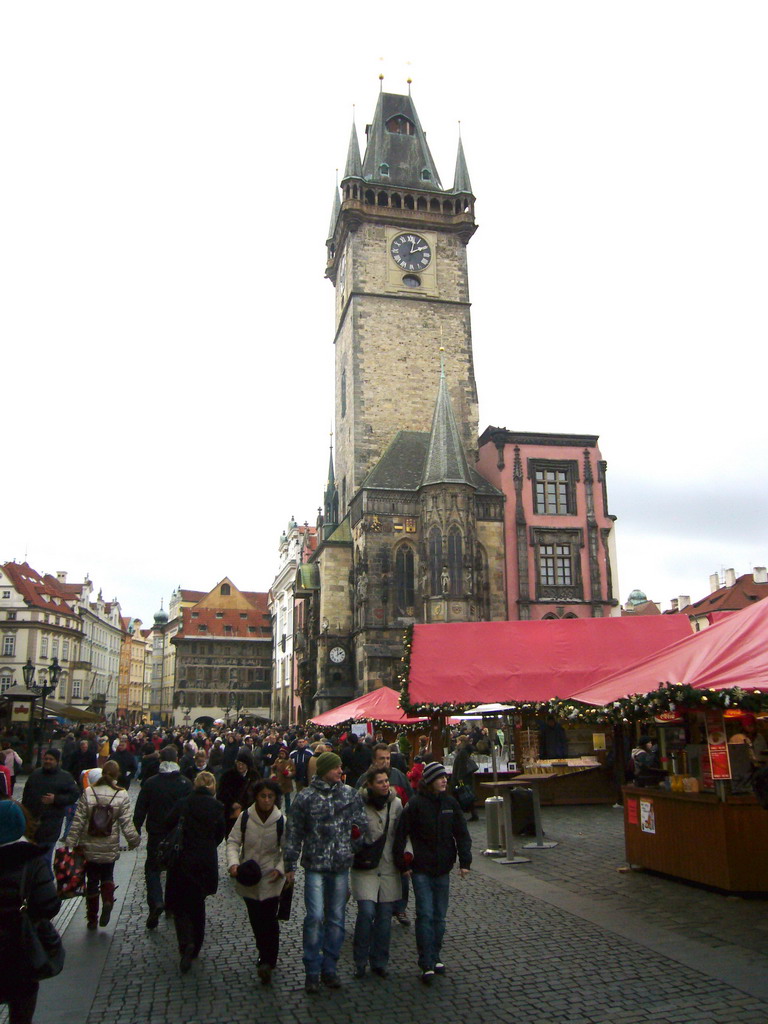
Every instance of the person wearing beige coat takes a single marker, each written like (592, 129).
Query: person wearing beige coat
(101, 852)
(378, 888)
(257, 836)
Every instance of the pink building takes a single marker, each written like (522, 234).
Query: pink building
(559, 537)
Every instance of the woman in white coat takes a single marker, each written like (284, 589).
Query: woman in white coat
(101, 845)
(255, 860)
(378, 887)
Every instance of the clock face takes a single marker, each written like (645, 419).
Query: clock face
(411, 252)
(337, 655)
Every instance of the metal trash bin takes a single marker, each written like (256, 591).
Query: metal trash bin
(495, 836)
(523, 820)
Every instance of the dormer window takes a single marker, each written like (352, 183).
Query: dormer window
(426, 175)
(400, 125)
(384, 170)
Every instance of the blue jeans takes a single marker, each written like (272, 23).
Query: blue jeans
(373, 929)
(431, 896)
(325, 897)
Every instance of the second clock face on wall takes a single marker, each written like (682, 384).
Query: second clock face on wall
(337, 655)
(411, 252)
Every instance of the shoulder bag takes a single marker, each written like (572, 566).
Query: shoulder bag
(170, 847)
(40, 942)
(367, 858)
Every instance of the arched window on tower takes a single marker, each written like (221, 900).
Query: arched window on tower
(404, 580)
(435, 560)
(455, 561)
(343, 396)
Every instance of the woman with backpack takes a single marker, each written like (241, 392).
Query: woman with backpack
(255, 859)
(102, 812)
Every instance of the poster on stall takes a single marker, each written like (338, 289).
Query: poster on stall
(598, 741)
(647, 817)
(633, 817)
(718, 747)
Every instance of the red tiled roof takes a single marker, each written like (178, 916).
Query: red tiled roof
(32, 586)
(192, 595)
(742, 594)
(216, 622)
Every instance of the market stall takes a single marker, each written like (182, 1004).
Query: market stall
(525, 664)
(702, 822)
(380, 706)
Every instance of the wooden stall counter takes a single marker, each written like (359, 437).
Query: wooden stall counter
(698, 837)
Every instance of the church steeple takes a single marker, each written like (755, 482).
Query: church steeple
(397, 152)
(446, 462)
(461, 182)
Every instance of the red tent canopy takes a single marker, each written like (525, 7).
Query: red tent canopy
(379, 705)
(732, 652)
(478, 662)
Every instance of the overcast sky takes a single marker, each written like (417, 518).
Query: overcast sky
(167, 180)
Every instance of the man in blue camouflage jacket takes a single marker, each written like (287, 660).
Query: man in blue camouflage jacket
(326, 824)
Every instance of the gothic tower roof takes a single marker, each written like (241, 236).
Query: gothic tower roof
(461, 182)
(397, 152)
(446, 461)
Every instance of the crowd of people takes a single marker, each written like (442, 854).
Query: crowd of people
(364, 819)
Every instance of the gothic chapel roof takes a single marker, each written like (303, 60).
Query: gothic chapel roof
(415, 459)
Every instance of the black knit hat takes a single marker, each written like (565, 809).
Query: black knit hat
(249, 873)
(245, 756)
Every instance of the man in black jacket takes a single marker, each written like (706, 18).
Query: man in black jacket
(47, 794)
(158, 796)
(434, 823)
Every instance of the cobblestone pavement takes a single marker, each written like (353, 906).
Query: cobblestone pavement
(566, 939)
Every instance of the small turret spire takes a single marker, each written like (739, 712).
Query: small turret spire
(336, 210)
(461, 182)
(354, 166)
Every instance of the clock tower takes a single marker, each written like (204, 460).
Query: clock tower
(410, 531)
(397, 256)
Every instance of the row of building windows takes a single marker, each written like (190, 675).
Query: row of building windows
(227, 676)
(221, 699)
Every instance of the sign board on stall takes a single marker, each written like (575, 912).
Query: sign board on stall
(720, 763)
(21, 711)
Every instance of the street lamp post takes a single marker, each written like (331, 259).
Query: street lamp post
(28, 671)
(44, 689)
